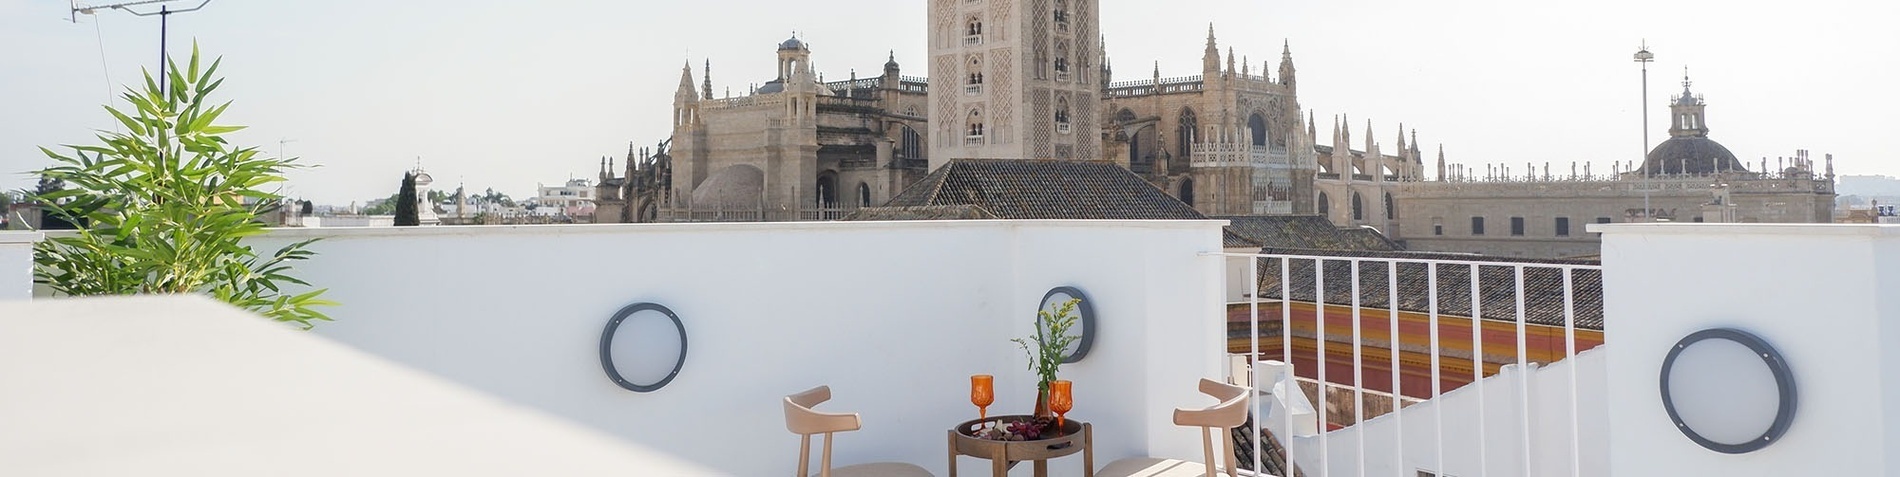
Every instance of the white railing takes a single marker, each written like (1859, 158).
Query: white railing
(1382, 297)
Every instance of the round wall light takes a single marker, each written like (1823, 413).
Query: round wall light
(1728, 390)
(639, 344)
(1086, 312)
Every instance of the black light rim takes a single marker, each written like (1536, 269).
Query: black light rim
(607, 342)
(1784, 384)
(1087, 313)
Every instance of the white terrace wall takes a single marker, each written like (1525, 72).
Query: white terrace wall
(16, 264)
(1460, 449)
(894, 316)
(1823, 295)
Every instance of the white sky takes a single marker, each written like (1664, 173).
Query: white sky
(508, 94)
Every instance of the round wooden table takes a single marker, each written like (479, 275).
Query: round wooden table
(1075, 436)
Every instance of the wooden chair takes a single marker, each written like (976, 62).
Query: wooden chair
(801, 420)
(1220, 418)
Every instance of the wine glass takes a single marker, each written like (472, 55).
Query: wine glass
(982, 394)
(1060, 400)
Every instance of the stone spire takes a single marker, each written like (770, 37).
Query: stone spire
(1210, 59)
(686, 93)
(1286, 65)
(706, 88)
(1441, 162)
(1230, 61)
(1312, 134)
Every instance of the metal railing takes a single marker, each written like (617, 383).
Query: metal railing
(1378, 294)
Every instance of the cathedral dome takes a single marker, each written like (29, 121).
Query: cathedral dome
(792, 44)
(1690, 155)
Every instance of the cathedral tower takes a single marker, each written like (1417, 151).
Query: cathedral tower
(1014, 79)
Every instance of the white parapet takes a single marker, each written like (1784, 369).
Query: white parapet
(1819, 295)
(16, 264)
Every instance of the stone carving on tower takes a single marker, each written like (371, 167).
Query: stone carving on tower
(1015, 79)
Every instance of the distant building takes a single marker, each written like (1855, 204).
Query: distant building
(575, 199)
(1533, 213)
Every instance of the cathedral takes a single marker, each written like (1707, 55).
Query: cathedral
(1032, 80)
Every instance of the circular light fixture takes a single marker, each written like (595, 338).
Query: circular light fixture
(1053, 299)
(1728, 390)
(613, 327)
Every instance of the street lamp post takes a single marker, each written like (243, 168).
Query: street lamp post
(1643, 56)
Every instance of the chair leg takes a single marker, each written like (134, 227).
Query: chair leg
(1232, 461)
(804, 455)
(1207, 451)
(826, 471)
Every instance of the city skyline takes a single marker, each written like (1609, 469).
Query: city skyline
(508, 94)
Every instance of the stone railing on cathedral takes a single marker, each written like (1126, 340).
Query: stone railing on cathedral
(741, 102)
(1149, 86)
(914, 84)
(1221, 155)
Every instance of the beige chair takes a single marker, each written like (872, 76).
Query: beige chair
(1229, 413)
(801, 420)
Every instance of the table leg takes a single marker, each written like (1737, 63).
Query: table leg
(1088, 451)
(1042, 468)
(999, 466)
(953, 453)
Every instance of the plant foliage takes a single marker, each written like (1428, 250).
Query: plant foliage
(406, 212)
(1046, 349)
(164, 206)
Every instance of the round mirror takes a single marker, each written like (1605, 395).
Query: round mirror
(1084, 327)
(1728, 390)
(643, 347)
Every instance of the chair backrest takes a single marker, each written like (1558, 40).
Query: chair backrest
(1230, 412)
(802, 420)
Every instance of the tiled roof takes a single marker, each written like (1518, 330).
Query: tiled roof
(1305, 232)
(1229, 239)
(1038, 189)
(927, 212)
(1497, 284)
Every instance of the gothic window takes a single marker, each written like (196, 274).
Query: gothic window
(1062, 115)
(1390, 209)
(1187, 134)
(1325, 204)
(1125, 116)
(1062, 60)
(1257, 126)
(912, 145)
(864, 195)
(1358, 208)
(976, 70)
(1062, 15)
(975, 133)
(975, 27)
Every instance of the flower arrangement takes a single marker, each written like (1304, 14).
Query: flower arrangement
(1052, 339)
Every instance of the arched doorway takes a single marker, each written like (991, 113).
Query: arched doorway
(1258, 127)
(1187, 191)
(827, 190)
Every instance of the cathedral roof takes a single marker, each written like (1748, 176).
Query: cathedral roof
(1303, 232)
(1690, 155)
(1038, 189)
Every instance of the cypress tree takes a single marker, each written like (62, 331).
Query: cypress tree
(406, 213)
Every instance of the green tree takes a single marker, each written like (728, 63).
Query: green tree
(164, 206)
(406, 212)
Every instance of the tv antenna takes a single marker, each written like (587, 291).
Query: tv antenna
(164, 16)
